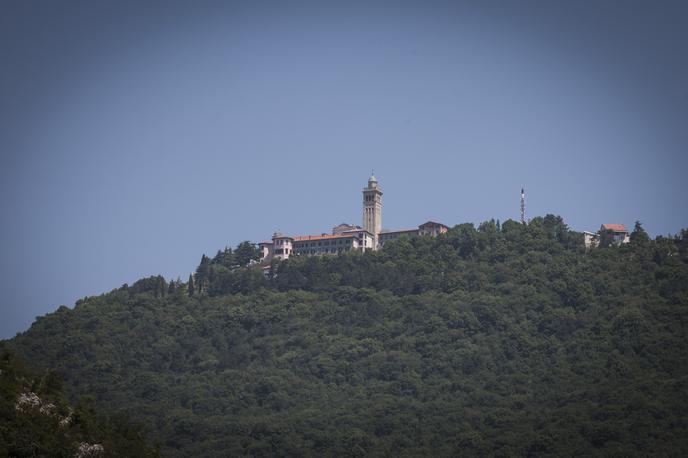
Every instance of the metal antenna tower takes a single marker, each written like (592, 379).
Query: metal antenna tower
(523, 207)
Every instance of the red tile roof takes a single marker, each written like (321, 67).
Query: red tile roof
(614, 227)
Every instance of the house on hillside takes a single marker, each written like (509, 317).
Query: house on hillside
(432, 229)
(613, 235)
(591, 239)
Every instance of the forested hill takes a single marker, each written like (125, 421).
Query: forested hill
(505, 340)
(36, 420)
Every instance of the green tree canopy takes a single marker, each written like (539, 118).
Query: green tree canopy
(495, 341)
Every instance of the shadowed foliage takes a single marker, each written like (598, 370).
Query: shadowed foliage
(501, 340)
(37, 420)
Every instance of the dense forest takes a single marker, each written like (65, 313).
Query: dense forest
(500, 340)
(37, 420)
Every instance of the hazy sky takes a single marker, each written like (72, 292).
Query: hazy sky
(136, 136)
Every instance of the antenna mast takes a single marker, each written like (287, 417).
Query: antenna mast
(523, 207)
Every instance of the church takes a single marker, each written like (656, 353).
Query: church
(346, 237)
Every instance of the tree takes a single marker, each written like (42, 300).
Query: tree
(224, 258)
(172, 288)
(202, 274)
(464, 238)
(191, 288)
(245, 252)
(639, 235)
(555, 227)
(486, 342)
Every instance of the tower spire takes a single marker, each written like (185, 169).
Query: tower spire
(523, 206)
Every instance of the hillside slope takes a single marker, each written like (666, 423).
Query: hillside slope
(37, 420)
(501, 340)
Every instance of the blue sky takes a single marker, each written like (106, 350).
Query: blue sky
(135, 138)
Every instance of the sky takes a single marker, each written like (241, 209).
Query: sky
(136, 136)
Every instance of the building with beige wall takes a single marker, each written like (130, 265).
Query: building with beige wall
(608, 235)
(591, 239)
(346, 237)
(430, 229)
(282, 246)
(310, 245)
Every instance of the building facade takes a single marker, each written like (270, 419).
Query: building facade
(430, 229)
(309, 245)
(345, 237)
(282, 246)
(591, 239)
(386, 236)
(613, 235)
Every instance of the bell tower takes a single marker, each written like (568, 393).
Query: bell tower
(372, 209)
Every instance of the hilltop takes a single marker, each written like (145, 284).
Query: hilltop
(499, 340)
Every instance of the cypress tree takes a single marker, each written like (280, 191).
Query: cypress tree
(172, 287)
(245, 252)
(191, 285)
(161, 288)
(202, 273)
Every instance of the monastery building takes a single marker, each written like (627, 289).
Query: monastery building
(346, 237)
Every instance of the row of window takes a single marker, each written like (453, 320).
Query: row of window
(385, 237)
(324, 250)
(325, 243)
(347, 241)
